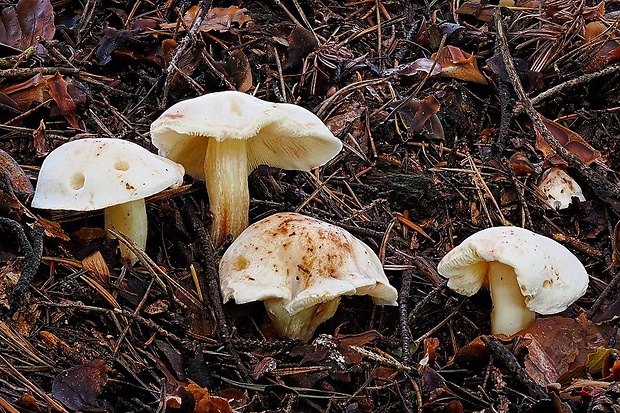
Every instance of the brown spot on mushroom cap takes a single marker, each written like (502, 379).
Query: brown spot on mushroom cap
(315, 261)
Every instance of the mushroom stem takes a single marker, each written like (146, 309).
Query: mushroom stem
(510, 313)
(130, 219)
(226, 176)
(302, 324)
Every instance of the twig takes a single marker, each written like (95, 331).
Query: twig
(603, 188)
(501, 353)
(603, 295)
(32, 257)
(212, 276)
(205, 5)
(403, 300)
(574, 82)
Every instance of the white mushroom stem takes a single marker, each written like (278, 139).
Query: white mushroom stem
(302, 324)
(130, 219)
(226, 176)
(510, 313)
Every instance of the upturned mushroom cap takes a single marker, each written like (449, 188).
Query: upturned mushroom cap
(221, 137)
(559, 188)
(549, 276)
(302, 262)
(89, 174)
(281, 135)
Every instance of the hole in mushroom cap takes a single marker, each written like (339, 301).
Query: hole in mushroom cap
(121, 165)
(241, 263)
(77, 180)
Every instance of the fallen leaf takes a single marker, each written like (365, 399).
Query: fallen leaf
(219, 19)
(57, 88)
(457, 64)
(97, 267)
(205, 403)
(16, 175)
(570, 140)
(128, 43)
(301, 42)
(238, 68)
(23, 24)
(420, 117)
(80, 387)
(557, 348)
(344, 343)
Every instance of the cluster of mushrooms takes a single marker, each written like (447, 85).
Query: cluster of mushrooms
(297, 265)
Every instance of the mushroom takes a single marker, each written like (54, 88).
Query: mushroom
(525, 272)
(299, 267)
(113, 174)
(559, 188)
(221, 137)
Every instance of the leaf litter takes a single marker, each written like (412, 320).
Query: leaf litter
(437, 146)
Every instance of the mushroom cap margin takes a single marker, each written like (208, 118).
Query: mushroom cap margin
(550, 277)
(303, 261)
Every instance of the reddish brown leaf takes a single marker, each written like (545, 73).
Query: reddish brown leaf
(33, 90)
(430, 349)
(58, 91)
(344, 343)
(420, 117)
(205, 403)
(41, 147)
(572, 141)
(219, 19)
(557, 348)
(80, 388)
(18, 178)
(457, 64)
(237, 66)
(23, 24)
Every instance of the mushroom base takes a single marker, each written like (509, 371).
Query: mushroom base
(302, 324)
(130, 219)
(510, 313)
(226, 176)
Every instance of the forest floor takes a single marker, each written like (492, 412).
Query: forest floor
(449, 112)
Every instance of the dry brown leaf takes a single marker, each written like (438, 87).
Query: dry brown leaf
(344, 343)
(205, 403)
(57, 88)
(97, 267)
(570, 140)
(457, 64)
(28, 91)
(238, 67)
(22, 25)
(557, 348)
(219, 19)
(420, 116)
(16, 175)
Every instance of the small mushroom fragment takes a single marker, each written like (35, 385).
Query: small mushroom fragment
(525, 272)
(221, 137)
(559, 188)
(299, 267)
(113, 174)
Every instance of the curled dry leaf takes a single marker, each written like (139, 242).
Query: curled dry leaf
(420, 116)
(572, 141)
(457, 64)
(219, 19)
(205, 403)
(80, 387)
(23, 24)
(557, 348)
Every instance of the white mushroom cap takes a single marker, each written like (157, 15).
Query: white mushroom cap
(559, 188)
(302, 262)
(548, 276)
(281, 135)
(112, 174)
(221, 137)
(89, 174)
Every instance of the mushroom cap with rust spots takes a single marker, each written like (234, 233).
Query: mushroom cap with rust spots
(303, 261)
(550, 277)
(281, 135)
(89, 174)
